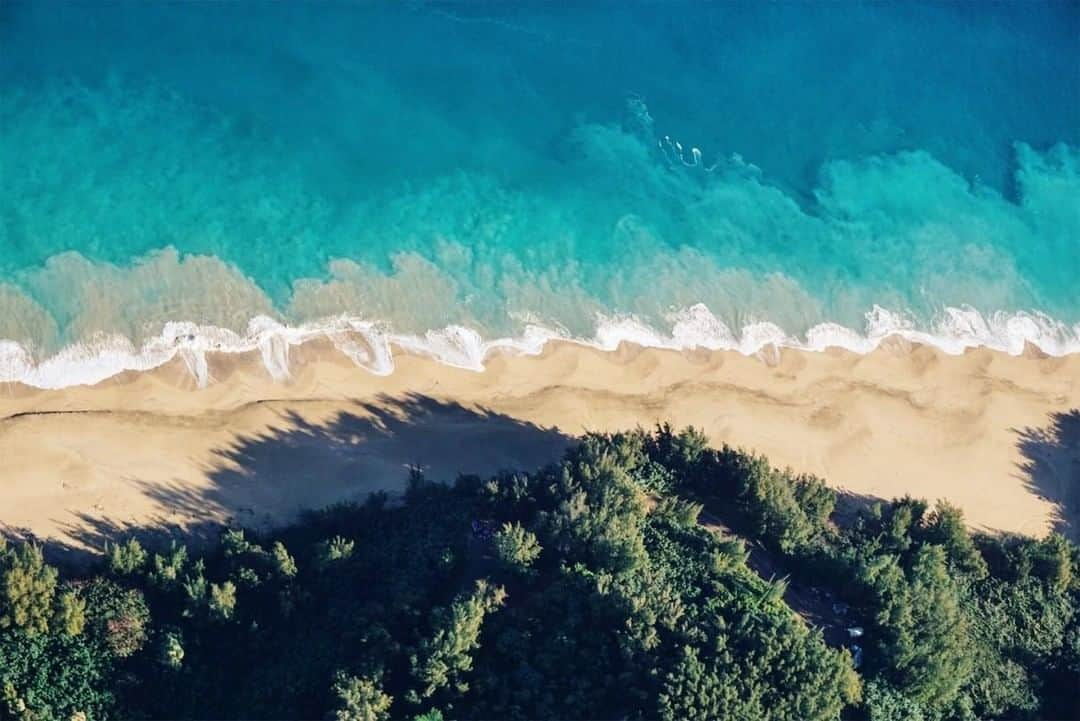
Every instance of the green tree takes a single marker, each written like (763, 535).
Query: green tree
(730, 553)
(126, 559)
(598, 509)
(882, 702)
(441, 660)
(117, 615)
(921, 632)
(222, 600)
(333, 550)
(815, 498)
(70, 615)
(678, 510)
(692, 691)
(47, 676)
(899, 522)
(515, 548)
(789, 513)
(360, 699)
(1052, 560)
(430, 715)
(166, 569)
(284, 564)
(680, 452)
(945, 527)
(171, 650)
(28, 589)
(625, 613)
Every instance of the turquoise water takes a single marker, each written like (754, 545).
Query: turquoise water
(185, 176)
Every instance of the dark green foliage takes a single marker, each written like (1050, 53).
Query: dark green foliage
(678, 510)
(788, 512)
(53, 676)
(171, 650)
(918, 626)
(681, 453)
(885, 703)
(596, 509)
(1052, 560)
(945, 527)
(956, 625)
(117, 615)
(587, 589)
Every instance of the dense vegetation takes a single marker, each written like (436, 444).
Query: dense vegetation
(599, 587)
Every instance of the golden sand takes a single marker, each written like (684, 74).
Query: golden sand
(996, 435)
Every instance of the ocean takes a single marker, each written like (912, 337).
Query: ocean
(456, 177)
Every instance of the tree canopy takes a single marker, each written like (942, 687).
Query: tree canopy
(645, 575)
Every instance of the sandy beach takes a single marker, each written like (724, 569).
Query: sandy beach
(996, 435)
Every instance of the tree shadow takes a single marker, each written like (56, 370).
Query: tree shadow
(851, 505)
(1051, 467)
(266, 480)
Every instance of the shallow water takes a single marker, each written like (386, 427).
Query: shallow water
(451, 176)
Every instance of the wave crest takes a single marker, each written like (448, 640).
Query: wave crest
(372, 345)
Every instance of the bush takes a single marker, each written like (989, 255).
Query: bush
(117, 615)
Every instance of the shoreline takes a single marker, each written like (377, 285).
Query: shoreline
(374, 348)
(153, 448)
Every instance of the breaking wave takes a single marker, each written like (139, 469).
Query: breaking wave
(372, 345)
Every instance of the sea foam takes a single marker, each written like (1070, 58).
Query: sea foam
(373, 345)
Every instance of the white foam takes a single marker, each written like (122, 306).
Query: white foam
(371, 345)
(462, 347)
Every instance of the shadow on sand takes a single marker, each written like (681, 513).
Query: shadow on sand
(1051, 467)
(267, 479)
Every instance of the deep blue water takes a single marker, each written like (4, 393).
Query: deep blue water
(495, 165)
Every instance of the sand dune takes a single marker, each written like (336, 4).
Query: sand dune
(997, 435)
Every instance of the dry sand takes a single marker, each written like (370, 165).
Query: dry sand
(997, 435)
